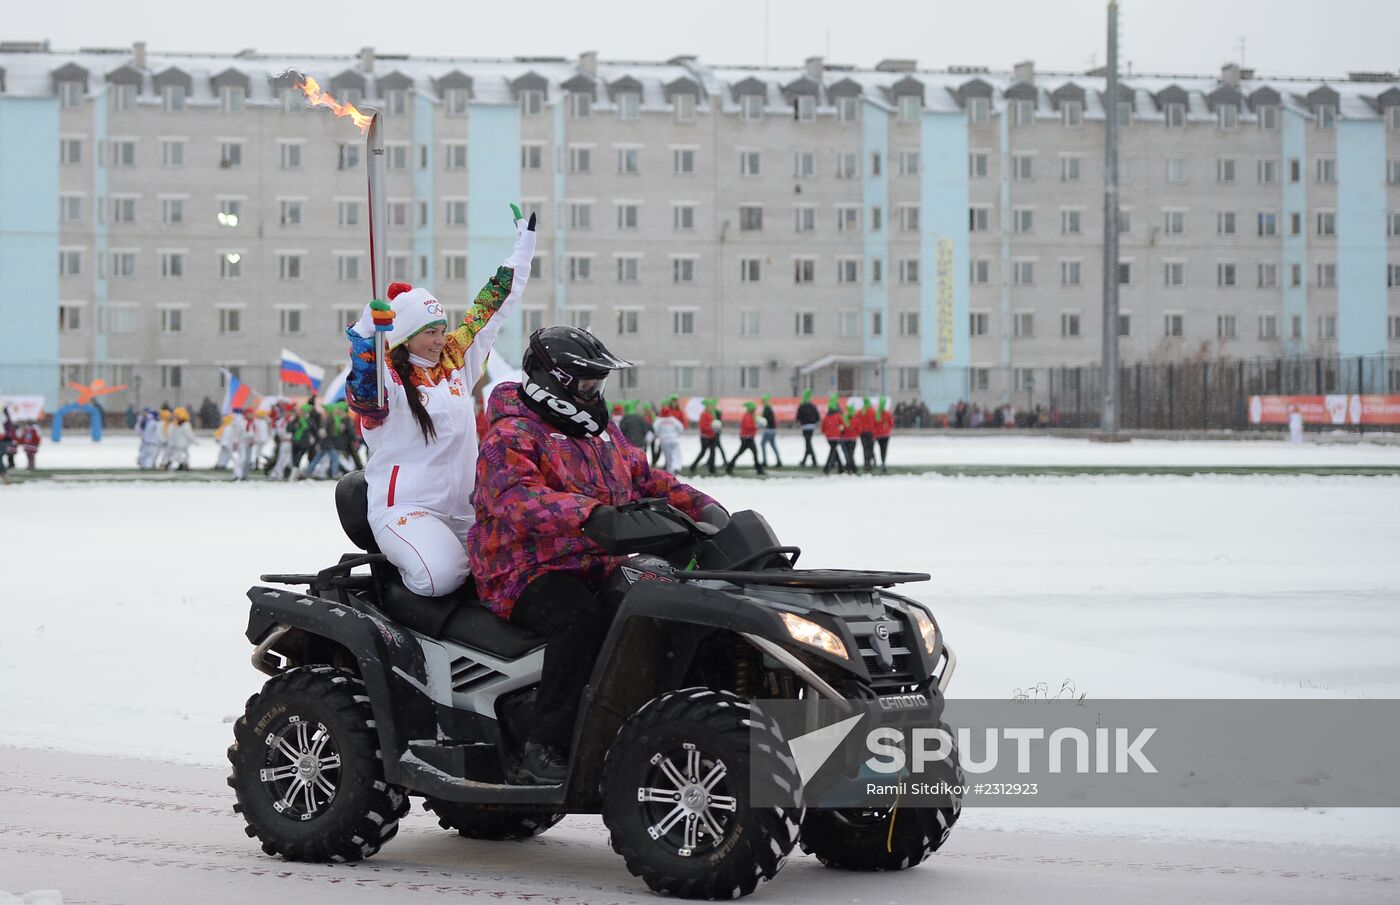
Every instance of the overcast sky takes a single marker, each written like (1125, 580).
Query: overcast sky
(1281, 37)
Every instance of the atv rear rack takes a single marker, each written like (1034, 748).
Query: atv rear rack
(828, 579)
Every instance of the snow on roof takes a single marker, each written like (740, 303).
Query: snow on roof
(30, 73)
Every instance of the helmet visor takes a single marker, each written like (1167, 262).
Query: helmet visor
(588, 388)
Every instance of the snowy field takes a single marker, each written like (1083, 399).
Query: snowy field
(118, 450)
(125, 606)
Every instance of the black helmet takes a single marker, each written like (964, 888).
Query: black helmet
(574, 358)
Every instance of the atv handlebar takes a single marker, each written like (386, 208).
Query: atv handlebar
(649, 525)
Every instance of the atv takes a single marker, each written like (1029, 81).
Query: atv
(376, 695)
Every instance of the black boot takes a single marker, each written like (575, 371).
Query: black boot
(543, 765)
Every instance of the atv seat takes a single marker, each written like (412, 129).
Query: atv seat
(459, 616)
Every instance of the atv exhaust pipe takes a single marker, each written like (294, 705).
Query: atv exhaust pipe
(260, 652)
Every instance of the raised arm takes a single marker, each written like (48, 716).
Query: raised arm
(474, 337)
(361, 384)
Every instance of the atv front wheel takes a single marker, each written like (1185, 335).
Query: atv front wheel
(676, 795)
(487, 821)
(307, 770)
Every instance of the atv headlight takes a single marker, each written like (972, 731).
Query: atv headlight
(808, 632)
(927, 630)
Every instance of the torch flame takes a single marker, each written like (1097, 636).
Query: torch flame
(318, 98)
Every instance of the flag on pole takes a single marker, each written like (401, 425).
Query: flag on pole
(335, 390)
(237, 394)
(296, 370)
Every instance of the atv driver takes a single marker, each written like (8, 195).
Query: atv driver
(549, 461)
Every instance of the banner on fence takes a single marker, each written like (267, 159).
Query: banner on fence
(23, 408)
(1339, 409)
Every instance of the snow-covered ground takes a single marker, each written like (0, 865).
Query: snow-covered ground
(118, 450)
(124, 604)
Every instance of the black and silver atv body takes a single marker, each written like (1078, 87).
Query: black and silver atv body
(376, 694)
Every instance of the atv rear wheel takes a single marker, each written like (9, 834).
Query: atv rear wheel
(307, 769)
(676, 796)
(487, 821)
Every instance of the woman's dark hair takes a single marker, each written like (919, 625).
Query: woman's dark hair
(398, 360)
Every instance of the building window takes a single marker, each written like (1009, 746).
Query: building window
(877, 267)
(1069, 324)
(629, 161)
(979, 109)
(70, 150)
(347, 213)
(1023, 324)
(749, 377)
(70, 318)
(1268, 223)
(531, 102)
(1225, 326)
(1225, 223)
(847, 165)
(848, 108)
(804, 271)
(1174, 326)
(1268, 116)
(977, 162)
(749, 323)
(1071, 273)
(629, 105)
(1175, 115)
(123, 264)
(230, 321)
(909, 105)
(347, 267)
(1022, 167)
(70, 263)
(172, 153)
(70, 94)
(580, 159)
(1072, 113)
(171, 377)
(627, 321)
(682, 270)
(683, 377)
(1071, 168)
(848, 270)
(908, 323)
(289, 321)
(399, 268)
(291, 212)
(805, 323)
(804, 164)
(628, 216)
(683, 217)
(877, 323)
(580, 105)
(531, 157)
(455, 155)
(580, 214)
(1070, 221)
(1327, 326)
(1174, 274)
(978, 218)
(580, 268)
(123, 97)
(750, 269)
(289, 267)
(627, 268)
(804, 108)
(1268, 326)
(1023, 273)
(685, 108)
(909, 217)
(1392, 277)
(1176, 169)
(847, 218)
(979, 271)
(751, 106)
(1268, 171)
(399, 213)
(1022, 112)
(979, 323)
(123, 153)
(1326, 223)
(1327, 276)
(908, 379)
(1125, 324)
(1268, 275)
(684, 160)
(1225, 167)
(1173, 222)
(1326, 116)
(750, 163)
(173, 98)
(1125, 273)
(1227, 116)
(455, 211)
(683, 323)
(909, 270)
(172, 211)
(1326, 170)
(1295, 224)
(172, 320)
(1295, 275)
(1225, 275)
(1023, 219)
(750, 217)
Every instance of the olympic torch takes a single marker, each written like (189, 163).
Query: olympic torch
(378, 242)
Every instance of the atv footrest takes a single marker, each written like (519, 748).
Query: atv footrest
(461, 760)
(425, 777)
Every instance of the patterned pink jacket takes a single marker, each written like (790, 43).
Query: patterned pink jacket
(535, 487)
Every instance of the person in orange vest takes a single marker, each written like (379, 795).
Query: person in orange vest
(748, 430)
(865, 424)
(832, 426)
(850, 433)
(710, 426)
(884, 427)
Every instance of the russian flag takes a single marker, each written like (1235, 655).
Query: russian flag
(335, 390)
(302, 373)
(237, 394)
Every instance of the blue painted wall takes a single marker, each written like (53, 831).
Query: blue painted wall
(1295, 248)
(875, 192)
(29, 246)
(1361, 238)
(493, 183)
(944, 203)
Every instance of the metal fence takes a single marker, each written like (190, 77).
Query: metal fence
(1195, 395)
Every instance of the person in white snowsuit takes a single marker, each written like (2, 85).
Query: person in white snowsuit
(668, 430)
(227, 437)
(250, 433)
(422, 441)
(167, 420)
(150, 440)
(282, 436)
(181, 439)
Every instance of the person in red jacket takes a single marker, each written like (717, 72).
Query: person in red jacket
(832, 426)
(850, 434)
(748, 430)
(884, 426)
(865, 424)
(29, 442)
(711, 424)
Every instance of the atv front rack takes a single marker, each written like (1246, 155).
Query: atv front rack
(826, 579)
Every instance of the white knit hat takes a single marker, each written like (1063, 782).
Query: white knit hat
(415, 310)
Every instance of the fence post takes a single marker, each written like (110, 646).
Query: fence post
(1241, 401)
(1171, 396)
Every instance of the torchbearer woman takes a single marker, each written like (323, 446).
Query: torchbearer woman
(422, 442)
